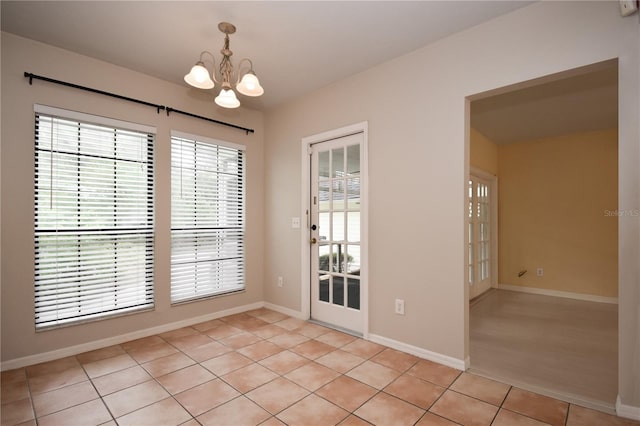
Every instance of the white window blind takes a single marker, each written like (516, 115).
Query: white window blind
(207, 217)
(93, 218)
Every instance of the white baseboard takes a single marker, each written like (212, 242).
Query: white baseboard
(115, 340)
(558, 293)
(456, 363)
(627, 411)
(286, 311)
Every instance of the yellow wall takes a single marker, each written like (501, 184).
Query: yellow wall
(553, 197)
(483, 153)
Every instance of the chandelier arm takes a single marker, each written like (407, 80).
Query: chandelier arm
(239, 73)
(213, 60)
(213, 77)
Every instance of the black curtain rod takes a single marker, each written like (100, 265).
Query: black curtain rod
(169, 109)
(158, 108)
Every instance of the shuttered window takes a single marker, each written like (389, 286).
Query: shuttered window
(207, 217)
(94, 217)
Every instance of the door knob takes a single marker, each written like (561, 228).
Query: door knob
(313, 240)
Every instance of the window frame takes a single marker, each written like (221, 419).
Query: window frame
(215, 144)
(139, 296)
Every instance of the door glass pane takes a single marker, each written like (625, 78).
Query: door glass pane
(335, 260)
(324, 228)
(353, 193)
(353, 160)
(353, 259)
(338, 226)
(338, 290)
(337, 194)
(323, 164)
(323, 257)
(323, 284)
(353, 227)
(323, 195)
(353, 293)
(337, 163)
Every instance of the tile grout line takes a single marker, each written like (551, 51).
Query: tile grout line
(98, 393)
(502, 403)
(172, 396)
(31, 403)
(114, 418)
(438, 399)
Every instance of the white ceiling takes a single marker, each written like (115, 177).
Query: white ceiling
(296, 47)
(580, 103)
(301, 46)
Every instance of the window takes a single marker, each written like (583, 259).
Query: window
(207, 217)
(93, 217)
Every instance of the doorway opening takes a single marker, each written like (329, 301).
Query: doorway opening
(548, 321)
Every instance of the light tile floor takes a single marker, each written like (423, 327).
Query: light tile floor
(262, 367)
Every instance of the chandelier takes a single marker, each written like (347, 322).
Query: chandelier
(247, 85)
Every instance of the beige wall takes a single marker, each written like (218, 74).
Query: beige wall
(418, 164)
(554, 195)
(18, 97)
(483, 153)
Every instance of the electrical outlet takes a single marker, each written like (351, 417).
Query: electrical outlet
(539, 272)
(399, 306)
(295, 222)
(280, 281)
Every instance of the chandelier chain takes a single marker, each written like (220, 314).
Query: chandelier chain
(226, 67)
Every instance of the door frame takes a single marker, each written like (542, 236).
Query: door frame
(305, 247)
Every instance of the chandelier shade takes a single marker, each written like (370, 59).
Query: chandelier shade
(227, 99)
(249, 85)
(244, 79)
(199, 77)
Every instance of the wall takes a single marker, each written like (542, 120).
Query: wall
(19, 55)
(483, 153)
(418, 156)
(554, 195)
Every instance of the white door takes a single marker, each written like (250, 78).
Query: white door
(480, 236)
(336, 232)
